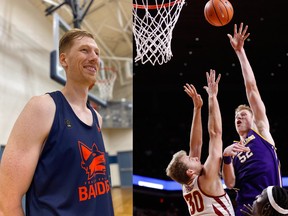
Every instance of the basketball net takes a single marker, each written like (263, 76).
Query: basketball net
(105, 83)
(152, 29)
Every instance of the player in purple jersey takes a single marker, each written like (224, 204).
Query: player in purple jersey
(55, 154)
(201, 183)
(273, 201)
(250, 164)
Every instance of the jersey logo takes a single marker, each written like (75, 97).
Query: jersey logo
(68, 123)
(93, 160)
(248, 139)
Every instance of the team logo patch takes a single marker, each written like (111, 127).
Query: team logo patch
(93, 160)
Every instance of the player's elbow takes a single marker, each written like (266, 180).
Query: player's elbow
(229, 181)
(215, 133)
(229, 185)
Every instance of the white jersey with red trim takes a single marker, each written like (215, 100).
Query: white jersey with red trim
(200, 203)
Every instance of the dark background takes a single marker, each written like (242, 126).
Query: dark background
(162, 111)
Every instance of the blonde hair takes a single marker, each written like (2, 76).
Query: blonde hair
(176, 169)
(68, 38)
(243, 107)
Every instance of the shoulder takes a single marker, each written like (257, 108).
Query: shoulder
(265, 135)
(41, 103)
(41, 107)
(35, 121)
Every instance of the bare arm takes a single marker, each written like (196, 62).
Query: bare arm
(228, 175)
(253, 95)
(214, 125)
(228, 169)
(22, 152)
(213, 162)
(196, 126)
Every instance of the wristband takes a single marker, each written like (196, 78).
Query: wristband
(227, 159)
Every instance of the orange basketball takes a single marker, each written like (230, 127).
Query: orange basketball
(218, 12)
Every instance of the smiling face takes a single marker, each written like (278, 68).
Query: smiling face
(80, 59)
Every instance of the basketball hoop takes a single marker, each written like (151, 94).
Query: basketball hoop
(105, 83)
(152, 29)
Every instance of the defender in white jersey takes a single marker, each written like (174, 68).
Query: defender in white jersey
(200, 203)
(202, 187)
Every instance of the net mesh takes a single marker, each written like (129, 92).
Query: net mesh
(152, 28)
(105, 83)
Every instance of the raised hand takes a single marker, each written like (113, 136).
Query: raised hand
(212, 84)
(234, 149)
(237, 41)
(192, 92)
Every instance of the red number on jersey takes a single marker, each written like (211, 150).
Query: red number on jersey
(195, 202)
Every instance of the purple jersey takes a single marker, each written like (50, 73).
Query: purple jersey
(255, 170)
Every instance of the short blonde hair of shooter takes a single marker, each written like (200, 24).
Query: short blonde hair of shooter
(243, 107)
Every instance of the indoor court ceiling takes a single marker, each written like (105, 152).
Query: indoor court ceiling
(163, 111)
(109, 20)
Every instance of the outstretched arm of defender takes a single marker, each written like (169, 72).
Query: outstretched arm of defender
(196, 126)
(213, 161)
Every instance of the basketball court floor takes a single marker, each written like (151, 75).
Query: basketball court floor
(122, 201)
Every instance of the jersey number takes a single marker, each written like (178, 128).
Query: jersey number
(195, 202)
(244, 156)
